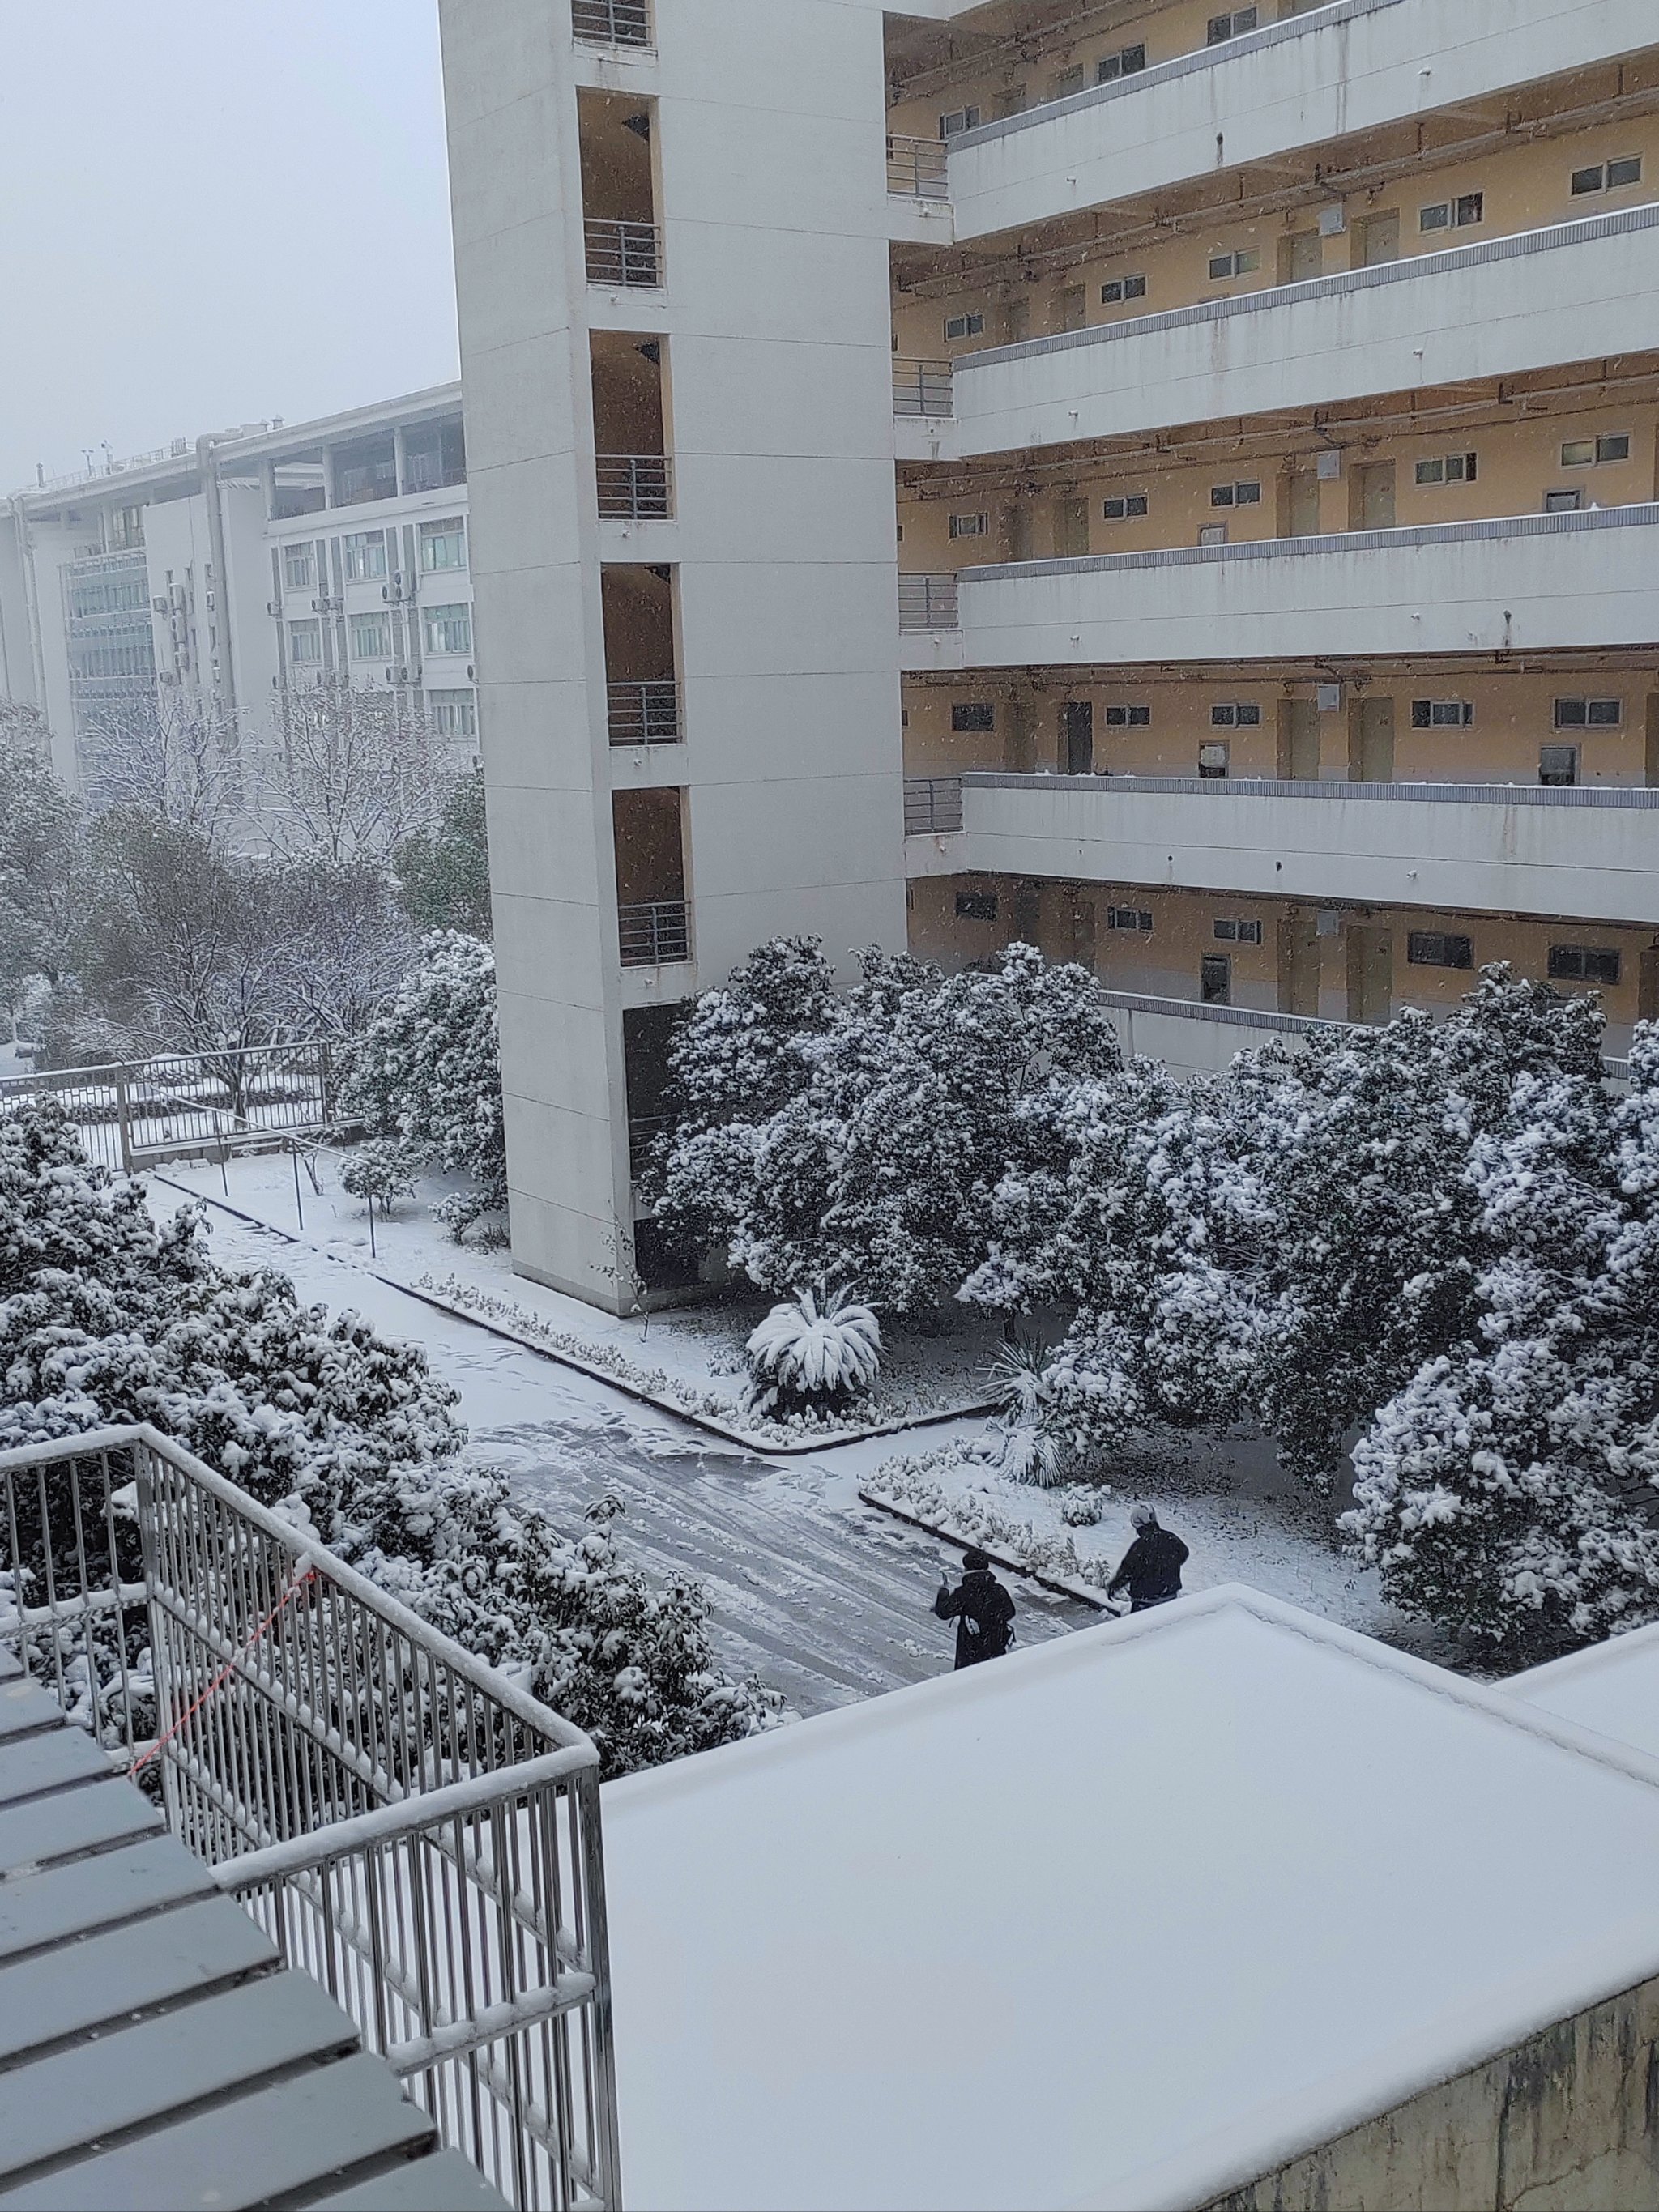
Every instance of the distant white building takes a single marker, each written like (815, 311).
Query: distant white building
(267, 560)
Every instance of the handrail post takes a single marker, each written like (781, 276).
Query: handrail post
(124, 1123)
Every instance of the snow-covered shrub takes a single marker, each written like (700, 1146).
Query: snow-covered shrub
(383, 1168)
(1083, 1507)
(818, 1349)
(106, 1317)
(428, 1071)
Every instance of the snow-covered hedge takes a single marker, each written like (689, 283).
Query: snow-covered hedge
(106, 1317)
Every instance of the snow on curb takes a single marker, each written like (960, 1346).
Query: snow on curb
(648, 1386)
(998, 1553)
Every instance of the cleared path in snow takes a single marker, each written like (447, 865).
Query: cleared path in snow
(824, 1598)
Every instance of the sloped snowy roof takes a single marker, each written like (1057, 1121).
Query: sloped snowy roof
(1614, 1688)
(1120, 1920)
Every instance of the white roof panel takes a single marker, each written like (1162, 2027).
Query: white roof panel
(1614, 1688)
(1121, 1920)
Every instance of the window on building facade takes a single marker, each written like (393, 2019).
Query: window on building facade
(371, 636)
(299, 567)
(1213, 761)
(1135, 918)
(1116, 289)
(1212, 533)
(1583, 963)
(443, 546)
(363, 552)
(1441, 714)
(1244, 264)
(965, 326)
(1590, 713)
(1124, 507)
(1459, 213)
(1129, 717)
(1127, 62)
(1607, 176)
(1564, 503)
(1435, 948)
(454, 713)
(1242, 714)
(976, 906)
(1586, 452)
(449, 630)
(1236, 495)
(1449, 468)
(958, 119)
(304, 642)
(973, 714)
(1557, 766)
(1232, 24)
(1228, 931)
(971, 526)
(1215, 980)
(126, 529)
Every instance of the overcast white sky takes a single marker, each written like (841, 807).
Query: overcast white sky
(213, 211)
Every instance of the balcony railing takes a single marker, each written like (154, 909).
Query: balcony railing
(928, 602)
(921, 387)
(645, 714)
(657, 934)
(408, 1826)
(635, 487)
(916, 168)
(623, 252)
(932, 805)
(611, 22)
(643, 1130)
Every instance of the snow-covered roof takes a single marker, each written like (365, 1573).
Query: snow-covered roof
(1120, 1920)
(1614, 1688)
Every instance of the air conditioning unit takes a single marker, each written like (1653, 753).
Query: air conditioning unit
(273, 606)
(159, 606)
(1328, 467)
(470, 676)
(1330, 698)
(385, 591)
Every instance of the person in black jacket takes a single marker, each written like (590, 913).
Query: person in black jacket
(1151, 1570)
(982, 1608)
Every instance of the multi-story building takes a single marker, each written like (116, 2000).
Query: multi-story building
(1272, 399)
(231, 573)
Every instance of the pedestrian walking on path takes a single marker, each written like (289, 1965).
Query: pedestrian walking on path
(1150, 1570)
(982, 1609)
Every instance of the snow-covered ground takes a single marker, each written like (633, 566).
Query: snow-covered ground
(691, 1359)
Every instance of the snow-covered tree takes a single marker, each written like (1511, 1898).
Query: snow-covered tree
(443, 872)
(173, 755)
(428, 1070)
(106, 1316)
(346, 772)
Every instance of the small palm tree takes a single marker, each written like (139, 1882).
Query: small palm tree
(816, 1349)
(1031, 1452)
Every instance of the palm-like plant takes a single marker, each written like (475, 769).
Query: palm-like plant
(1031, 1452)
(818, 1348)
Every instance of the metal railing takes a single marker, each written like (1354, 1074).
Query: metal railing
(183, 1104)
(643, 1130)
(611, 22)
(932, 805)
(410, 1828)
(916, 168)
(635, 487)
(655, 934)
(645, 714)
(928, 602)
(623, 252)
(922, 387)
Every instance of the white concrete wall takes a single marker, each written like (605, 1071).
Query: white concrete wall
(1568, 293)
(777, 316)
(1539, 582)
(1597, 862)
(1319, 77)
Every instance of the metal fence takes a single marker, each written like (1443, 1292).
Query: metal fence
(645, 714)
(623, 252)
(410, 1828)
(654, 934)
(928, 602)
(635, 487)
(916, 168)
(922, 387)
(181, 1104)
(932, 805)
(611, 22)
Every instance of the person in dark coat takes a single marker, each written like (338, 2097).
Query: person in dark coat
(982, 1609)
(1151, 1570)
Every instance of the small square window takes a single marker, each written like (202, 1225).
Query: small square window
(1589, 180)
(973, 714)
(959, 119)
(1563, 502)
(1247, 495)
(1223, 718)
(1557, 766)
(1583, 963)
(1462, 468)
(1221, 495)
(1250, 718)
(1437, 218)
(1614, 448)
(1213, 534)
(1626, 171)
(1430, 472)
(1606, 714)
(1434, 948)
(1470, 207)
(976, 906)
(1578, 453)
(969, 525)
